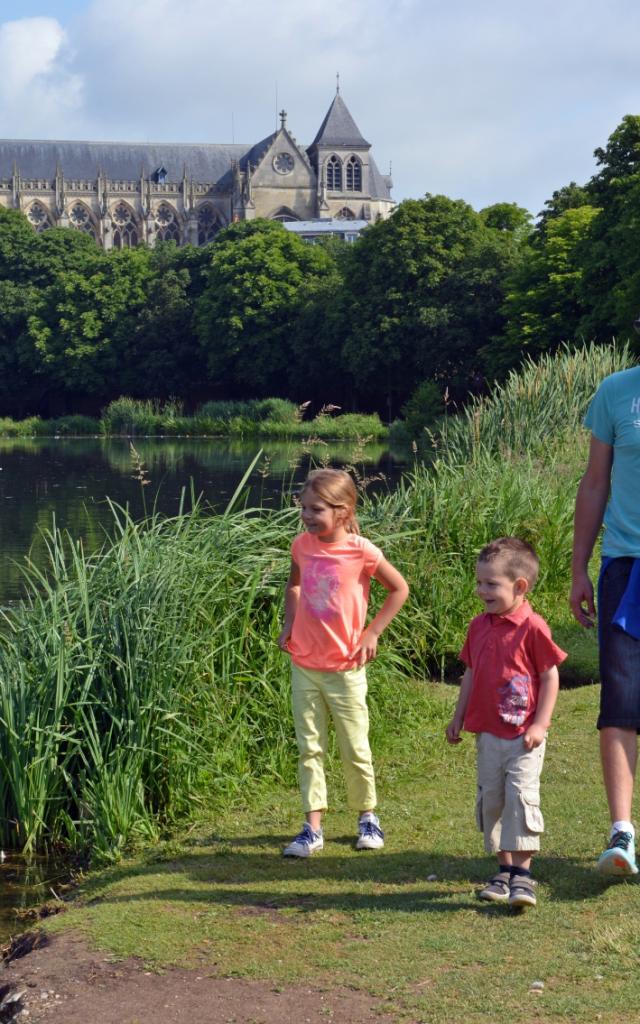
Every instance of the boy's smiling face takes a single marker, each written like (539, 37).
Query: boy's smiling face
(498, 592)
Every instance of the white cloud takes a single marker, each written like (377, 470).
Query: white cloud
(37, 91)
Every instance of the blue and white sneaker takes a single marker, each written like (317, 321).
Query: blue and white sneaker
(370, 835)
(619, 858)
(305, 843)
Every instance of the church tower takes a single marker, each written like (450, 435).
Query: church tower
(340, 157)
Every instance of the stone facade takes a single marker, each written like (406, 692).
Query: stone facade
(123, 194)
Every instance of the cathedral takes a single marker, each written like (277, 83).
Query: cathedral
(124, 193)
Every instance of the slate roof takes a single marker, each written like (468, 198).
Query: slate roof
(380, 184)
(339, 128)
(123, 161)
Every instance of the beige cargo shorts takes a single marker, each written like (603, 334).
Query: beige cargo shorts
(508, 800)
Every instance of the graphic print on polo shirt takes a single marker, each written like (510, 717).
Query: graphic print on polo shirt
(513, 703)
(320, 586)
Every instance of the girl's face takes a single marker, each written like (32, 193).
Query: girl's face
(320, 518)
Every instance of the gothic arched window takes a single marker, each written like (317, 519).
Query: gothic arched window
(125, 231)
(166, 224)
(37, 216)
(208, 224)
(345, 214)
(334, 174)
(354, 175)
(80, 218)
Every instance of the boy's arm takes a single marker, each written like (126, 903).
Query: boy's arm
(397, 593)
(291, 600)
(456, 723)
(547, 695)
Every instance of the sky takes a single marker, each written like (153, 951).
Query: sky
(494, 101)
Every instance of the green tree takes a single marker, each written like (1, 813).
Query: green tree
(158, 351)
(611, 284)
(424, 292)
(69, 340)
(246, 316)
(544, 304)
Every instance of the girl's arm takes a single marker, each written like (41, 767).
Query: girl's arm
(547, 695)
(398, 592)
(291, 599)
(455, 725)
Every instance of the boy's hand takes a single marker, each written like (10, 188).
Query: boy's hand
(534, 736)
(453, 731)
(283, 639)
(367, 648)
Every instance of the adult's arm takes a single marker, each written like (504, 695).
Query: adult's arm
(591, 501)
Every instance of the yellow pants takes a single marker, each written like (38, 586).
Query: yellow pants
(315, 695)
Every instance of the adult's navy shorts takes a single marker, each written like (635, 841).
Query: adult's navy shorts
(619, 653)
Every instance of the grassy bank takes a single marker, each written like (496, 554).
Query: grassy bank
(269, 417)
(145, 681)
(403, 924)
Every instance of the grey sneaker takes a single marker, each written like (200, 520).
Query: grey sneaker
(305, 843)
(522, 891)
(497, 888)
(619, 858)
(370, 835)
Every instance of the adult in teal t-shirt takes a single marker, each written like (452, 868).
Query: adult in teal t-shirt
(609, 492)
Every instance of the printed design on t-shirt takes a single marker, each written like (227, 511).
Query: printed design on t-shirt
(513, 704)
(635, 409)
(320, 585)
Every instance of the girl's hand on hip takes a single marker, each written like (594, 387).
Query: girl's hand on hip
(367, 648)
(284, 638)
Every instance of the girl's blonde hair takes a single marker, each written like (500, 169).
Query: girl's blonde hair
(338, 490)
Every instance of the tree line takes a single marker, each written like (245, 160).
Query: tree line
(438, 299)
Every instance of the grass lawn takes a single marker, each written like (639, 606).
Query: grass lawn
(222, 898)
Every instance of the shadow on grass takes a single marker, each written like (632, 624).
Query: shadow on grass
(239, 878)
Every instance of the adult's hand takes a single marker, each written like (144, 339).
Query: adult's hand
(582, 601)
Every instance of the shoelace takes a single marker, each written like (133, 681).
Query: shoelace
(306, 836)
(620, 841)
(369, 828)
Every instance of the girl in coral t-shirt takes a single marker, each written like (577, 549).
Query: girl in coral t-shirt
(325, 633)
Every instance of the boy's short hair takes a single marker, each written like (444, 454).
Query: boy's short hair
(517, 558)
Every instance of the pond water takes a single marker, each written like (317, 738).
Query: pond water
(71, 481)
(25, 884)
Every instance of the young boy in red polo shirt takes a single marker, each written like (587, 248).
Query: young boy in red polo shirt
(507, 696)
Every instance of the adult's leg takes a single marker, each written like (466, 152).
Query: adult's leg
(619, 754)
(619, 718)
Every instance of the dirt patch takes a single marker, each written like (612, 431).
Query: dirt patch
(64, 981)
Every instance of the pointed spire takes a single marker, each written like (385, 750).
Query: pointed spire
(337, 83)
(339, 128)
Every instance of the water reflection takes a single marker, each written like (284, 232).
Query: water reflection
(25, 884)
(68, 481)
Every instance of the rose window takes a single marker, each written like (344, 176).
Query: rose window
(79, 215)
(164, 216)
(121, 214)
(38, 216)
